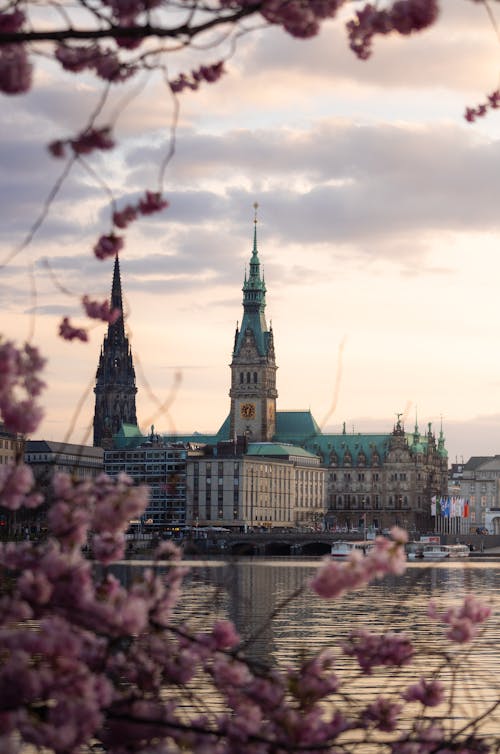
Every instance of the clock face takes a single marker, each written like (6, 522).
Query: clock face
(247, 410)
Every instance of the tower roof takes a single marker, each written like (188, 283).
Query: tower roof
(116, 331)
(115, 377)
(254, 303)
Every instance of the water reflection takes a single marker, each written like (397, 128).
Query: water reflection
(255, 595)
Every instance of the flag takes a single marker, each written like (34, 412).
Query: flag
(433, 505)
(466, 509)
(445, 506)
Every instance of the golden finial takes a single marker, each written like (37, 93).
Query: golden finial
(256, 207)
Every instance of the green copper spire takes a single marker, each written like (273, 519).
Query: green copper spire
(441, 447)
(254, 288)
(254, 301)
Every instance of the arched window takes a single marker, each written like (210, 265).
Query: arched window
(248, 378)
(241, 378)
(255, 377)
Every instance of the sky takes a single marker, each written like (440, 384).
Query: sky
(378, 232)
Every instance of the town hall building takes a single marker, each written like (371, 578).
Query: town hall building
(271, 468)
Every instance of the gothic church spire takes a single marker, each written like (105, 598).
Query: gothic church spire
(115, 388)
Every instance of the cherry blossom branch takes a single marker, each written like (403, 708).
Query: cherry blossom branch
(137, 32)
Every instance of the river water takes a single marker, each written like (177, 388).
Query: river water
(281, 620)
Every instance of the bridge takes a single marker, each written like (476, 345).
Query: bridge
(267, 542)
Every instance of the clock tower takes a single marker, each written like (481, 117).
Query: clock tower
(253, 367)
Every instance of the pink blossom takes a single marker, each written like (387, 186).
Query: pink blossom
(107, 547)
(12, 21)
(124, 217)
(69, 522)
(297, 18)
(15, 484)
(430, 693)
(34, 587)
(109, 67)
(19, 368)
(382, 714)
(464, 621)
(404, 17)
(372, 650)
(102, 311)
(104, 62)
(167, 550)
(152, 202)
(408, 16)
(108, 246)
(91, 139)
(15, 69)
(76, 58)
(493, 102)
(57, 148)
(208, 73)
(387, 556)
(224, 635)
(314, 679)
(68, 332)
(23, 416)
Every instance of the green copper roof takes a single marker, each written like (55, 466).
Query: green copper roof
(277, 449)
(295, 426)
(254, 304)
(353, 446)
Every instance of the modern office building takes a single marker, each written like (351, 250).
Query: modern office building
(162, 466)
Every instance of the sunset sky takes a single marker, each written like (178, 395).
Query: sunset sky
(378, 232)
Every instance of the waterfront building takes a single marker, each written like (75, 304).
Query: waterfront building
(368, 481)
(47, 457)
(480, 484)
(263, 485)
(162, 466)
(115, 387)
(10, 445)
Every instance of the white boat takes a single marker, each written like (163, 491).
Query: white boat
(414, 550)
(343, 548)
(442, 552)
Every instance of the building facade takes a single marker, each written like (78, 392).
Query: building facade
(47, 457)
(270, 485)
(10, 446)
(364, 480)
(115, 388)
(377, 481)
(480, 485)
(162, 466)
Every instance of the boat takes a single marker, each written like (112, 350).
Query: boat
(442, 552)
(343, 548)
(414, 550)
